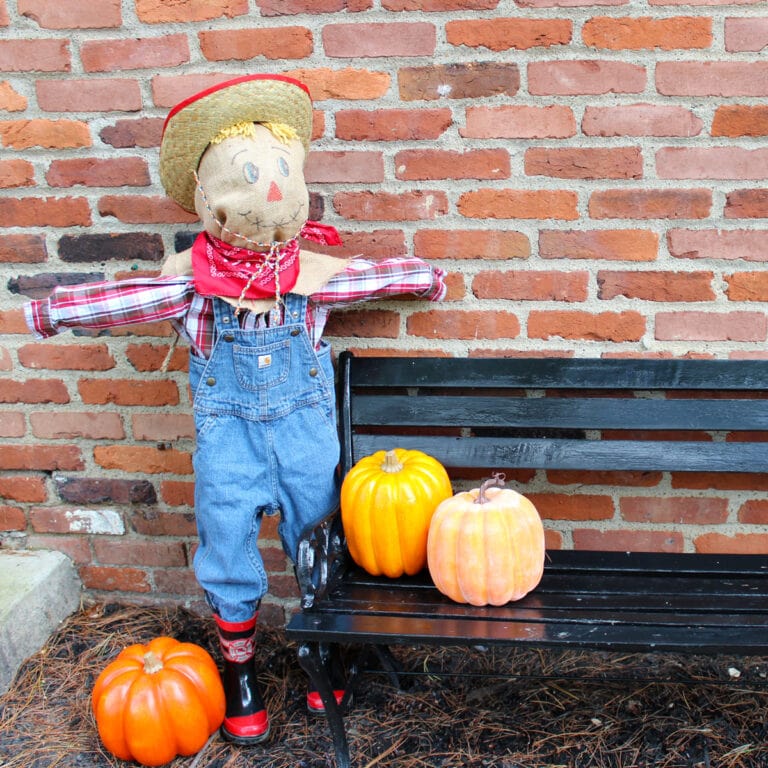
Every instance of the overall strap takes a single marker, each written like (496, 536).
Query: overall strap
(224, 315)
(295, 309)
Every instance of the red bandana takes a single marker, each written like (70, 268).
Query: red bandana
(221, 269)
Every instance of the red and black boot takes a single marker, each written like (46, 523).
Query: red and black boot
(329, 655)
(246, 721)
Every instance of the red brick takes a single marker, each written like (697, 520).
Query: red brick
(22, 249)
(6, 364)
(384, 206)
(10, 99)
(711, 326)
(344, 83)
(371, 40)
(150, 357)
(738, 544)
(45, 212)
(656, 285)
(577, 506)
(711, 163)
(42, 458)
(139, 132)
(374, 243)
(712, 78)
(743, 244)
(98, 490)
(344, 167)
(181, 582)
(12, 518)
(419, 164)
(77, 550)
(486, 244)
(754, 512)
(442, 324)
(163, 426)
(38, 55)
(599, 477)
(178, 493)
(12, 424)
(588, 163)
(128, 392)
(650, 204)
(746, 204)
(73, 425)
(97, 172)
(519, 204)
(439, 5)
(584, 78)
(151, 523)
(458, 81)
(735, 120)
(747, 34)
(172, 11)
(640, 120)
(4, 18)
(143, 460)
(77, 521)
(16, 173)
(139, 552)
(610, 244)
(72, 357)
(602, 326)
(47, 134)
(89, 95)
(721, 481)
(682, 511)
(392, 124)
(72, 14)
(519, 122)
(537, 285)
(747, 286)
(111, 579)
(34, 391)
(12, 321)
(645, 32)
(628, 541)
(502, 34)
(370, 323)
(245, 44)
(144, 209)
(115, 55)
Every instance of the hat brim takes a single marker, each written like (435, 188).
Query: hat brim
(192, 124)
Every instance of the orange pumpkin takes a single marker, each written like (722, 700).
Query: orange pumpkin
(486, 546)
(157, 701)
(387, 501)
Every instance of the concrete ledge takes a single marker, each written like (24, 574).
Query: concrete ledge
(38, 590)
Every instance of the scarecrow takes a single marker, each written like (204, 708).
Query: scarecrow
(252, 304)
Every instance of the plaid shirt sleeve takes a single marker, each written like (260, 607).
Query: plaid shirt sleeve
(109, 304)
(364, 279)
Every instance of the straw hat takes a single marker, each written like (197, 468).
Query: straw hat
(192, 123)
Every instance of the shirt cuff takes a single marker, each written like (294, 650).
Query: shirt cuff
(438, 289)
(37, 315)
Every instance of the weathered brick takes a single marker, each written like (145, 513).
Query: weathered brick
(68, 426)
(6, 364)
(645, 32)
(16, 173)
(371, 40)
(519, 122)
(738, 544)
(610, 244)
(163, 426)
(45, 212)
(746, 34)
(524, 285)
(139, 552)
(22, 249)
(294, 7)
(519, 204)
(114, 579)
(178, 493)
(746, 204)
(744, 244)
(679, 510)
(419, 164)
(584, 78)
(181, 581)
(98, 172)
(385, 206)
(587, 163)
(374, 243)
(650, 204)
(73, 357)
(363, 323)
(104, 522)
(641, 479)
(92, 95)
(344, 167)
(4, 18)
(34, 391)
(143, 459)
(95, 490)
(656, 285)
(10, 99)
(12, 321)
(141, 246)
(152, 523)
(77, 550)
(392, 124)
(487, 244)
(711, 326)
(245, 44)
(721, 481)
(640, 120)
(711, 163)
(47, 134)
(144, 209)
(150, 357)
(439, 5)
(458, 81)
(754, 512)
(503, 34)
(557, 506)
(442, 324)
(34, 55)
(12, 518)
(172, 11)
(39, 286)
(128, 392)
(628, 540)
(12, 424)
(574, 324)
(734, 120)
(747, 286)
(72, 14)
(139, 132)
(118, 54)
(712, 78)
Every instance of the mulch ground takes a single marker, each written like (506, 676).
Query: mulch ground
(478, 707)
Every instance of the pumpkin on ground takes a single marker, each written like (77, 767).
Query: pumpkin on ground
(157, 701)
(486, 546)
(387, 502)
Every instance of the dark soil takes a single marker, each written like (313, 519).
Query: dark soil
(476, 707)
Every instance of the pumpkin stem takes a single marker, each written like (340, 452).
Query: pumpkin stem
(391, 463)
(152, 663)
(496, 481)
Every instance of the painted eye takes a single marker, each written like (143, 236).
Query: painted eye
(282, 166)
(251, 173)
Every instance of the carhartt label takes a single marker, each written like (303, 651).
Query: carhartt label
(265, 360)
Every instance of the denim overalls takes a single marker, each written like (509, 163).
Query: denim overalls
(264, 411)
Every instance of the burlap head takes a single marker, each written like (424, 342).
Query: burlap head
(192, 123)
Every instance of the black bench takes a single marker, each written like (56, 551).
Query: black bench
(482, 415)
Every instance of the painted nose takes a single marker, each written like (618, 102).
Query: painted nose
(274, 195)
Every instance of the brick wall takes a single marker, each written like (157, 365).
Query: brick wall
(592, 175)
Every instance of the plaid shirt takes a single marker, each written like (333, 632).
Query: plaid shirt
(145, 300)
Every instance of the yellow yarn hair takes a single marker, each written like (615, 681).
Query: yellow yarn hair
(283, 132)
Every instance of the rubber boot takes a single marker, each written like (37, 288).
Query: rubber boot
(332, 661)
(246, 721)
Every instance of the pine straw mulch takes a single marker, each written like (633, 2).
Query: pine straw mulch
(634, 711)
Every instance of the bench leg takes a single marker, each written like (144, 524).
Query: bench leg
(311, 660)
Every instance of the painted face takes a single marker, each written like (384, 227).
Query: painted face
(254, 187)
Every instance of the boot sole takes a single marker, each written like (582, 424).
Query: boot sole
(243, 741)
